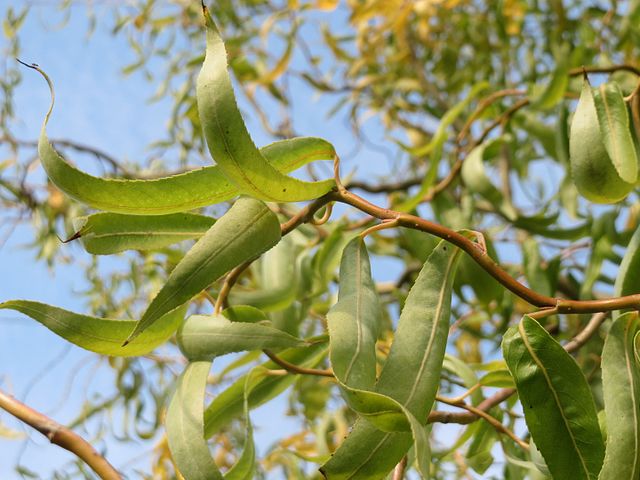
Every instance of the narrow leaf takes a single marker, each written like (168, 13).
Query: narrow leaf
(556, 400)
(108, 233)
(554, 90)
(204, 337)
(474, 175)
(228, 139)
(176, 193)
(613, 119)
(410, 376)
(621, 388)
(354, 321)
(248, 229)
(185, 428)
(100, 335)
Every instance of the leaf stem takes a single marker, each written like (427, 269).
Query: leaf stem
(292, 368)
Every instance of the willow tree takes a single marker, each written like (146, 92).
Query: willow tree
(515, 140)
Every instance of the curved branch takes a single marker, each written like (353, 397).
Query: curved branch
(60, 435)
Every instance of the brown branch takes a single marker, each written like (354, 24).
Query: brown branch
(60, 435)
(610, 69)
(398, 472)
(293, 368)
(486, 262)
(485, 416)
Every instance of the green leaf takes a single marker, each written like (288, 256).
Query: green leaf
(108, 233)
(354, 321)
(185, 428)
(204, 337)
(475, 177)
(435, 147)
(593, 172)
(176, 193)
(228, 139)
(277, 280)
(248, 229)
(556, 400)
(100, 335)
(228, 405)
(554, 90)
(410, 377)
(628, 278)
(621, 388)
(613, 119)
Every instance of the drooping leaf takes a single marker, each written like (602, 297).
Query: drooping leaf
(229, 141)
(100, 335)
(203, 337)
(185, 427)
(410, 376)
(176, 193)
(248, 229)
(592, 170)
(557, 402)
(621, 388)
(554, 90)
(228, 405)
(108, 233)
(615, 132)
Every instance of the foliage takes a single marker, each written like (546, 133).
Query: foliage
(489, 211)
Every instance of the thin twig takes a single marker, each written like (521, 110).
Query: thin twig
(485, 416)
(60, 435)
(398, 472)
(290, 367)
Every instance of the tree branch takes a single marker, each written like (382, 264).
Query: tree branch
(60, 435)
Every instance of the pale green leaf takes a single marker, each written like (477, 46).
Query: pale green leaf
(615, 131)
(593, 172)
(628, 277)
(474, 176)
(108, 233)
(410, 376)
(100, 335)
(556, 400)
(554, 90)
(621, 389)
(203, 337)
(185, 428)
(228, 139)
(248, 229)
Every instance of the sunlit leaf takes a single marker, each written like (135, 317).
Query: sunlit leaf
(228, 139)
(248, 229)
(108, 233)
(100, 335)
(203, 337)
